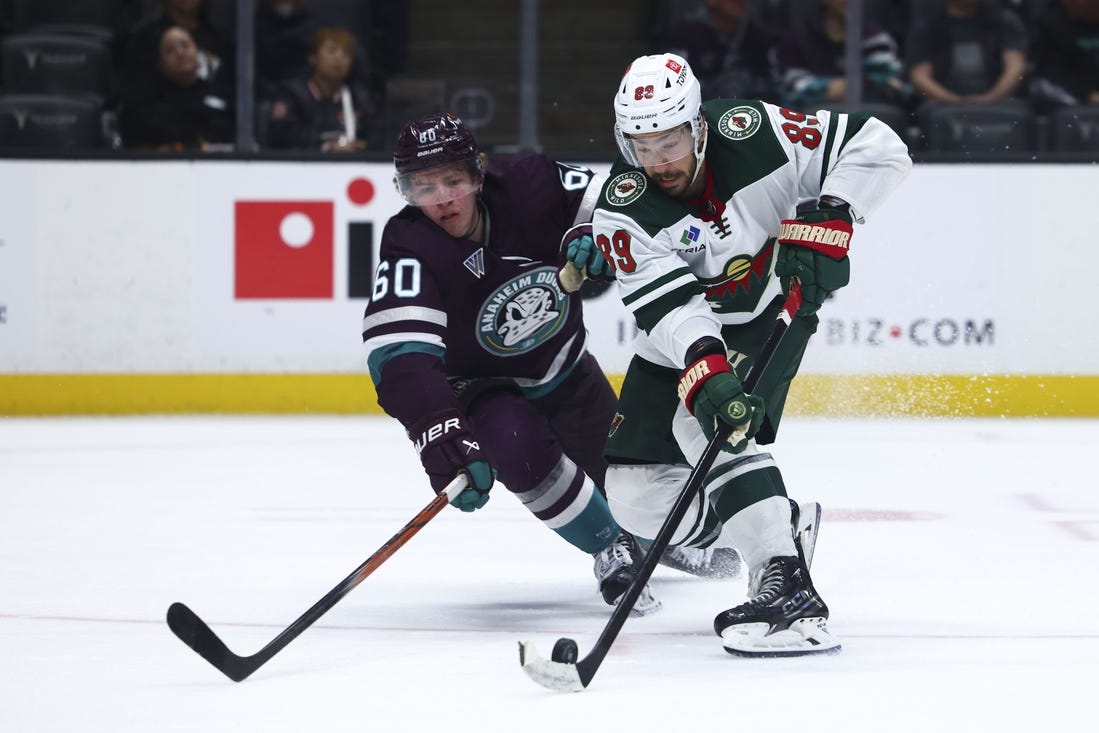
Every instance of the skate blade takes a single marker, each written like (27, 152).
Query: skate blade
(804, 637)
(646, 605)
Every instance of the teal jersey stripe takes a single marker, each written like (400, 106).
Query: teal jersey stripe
(380, 357)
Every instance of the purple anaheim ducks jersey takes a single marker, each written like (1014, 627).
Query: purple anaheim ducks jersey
(492, 309)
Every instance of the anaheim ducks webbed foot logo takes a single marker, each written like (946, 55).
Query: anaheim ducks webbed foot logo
(522, 313)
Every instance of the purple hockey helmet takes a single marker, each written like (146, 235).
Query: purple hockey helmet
(436, 141)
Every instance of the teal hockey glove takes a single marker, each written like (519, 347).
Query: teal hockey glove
(813, 248)
(481, 477)
(713, 394)
(583, 260)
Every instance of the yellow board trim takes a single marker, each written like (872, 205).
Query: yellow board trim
(810, 395)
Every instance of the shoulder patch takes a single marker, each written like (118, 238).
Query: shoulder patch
(626, 188)
(740, 123)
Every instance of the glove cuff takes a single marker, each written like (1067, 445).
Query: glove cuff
(831, 237)
(695, 374)
(580, 230)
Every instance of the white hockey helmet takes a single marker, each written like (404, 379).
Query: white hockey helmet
(659, 93)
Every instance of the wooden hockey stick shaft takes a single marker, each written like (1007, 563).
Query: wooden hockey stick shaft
(194, 632)
(575, 676)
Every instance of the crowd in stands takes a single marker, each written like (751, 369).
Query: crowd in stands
(165, 76)
(950, 75)
(161, 74)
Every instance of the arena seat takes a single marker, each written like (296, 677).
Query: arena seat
(1074, 129)
(46, 63)
(979, 128)
(50, 121)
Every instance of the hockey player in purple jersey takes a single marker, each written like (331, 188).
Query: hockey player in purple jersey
(475, 348)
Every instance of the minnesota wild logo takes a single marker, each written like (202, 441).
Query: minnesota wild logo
(740, 123)
(626, 188)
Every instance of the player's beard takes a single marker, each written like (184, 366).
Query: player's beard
(672, 183)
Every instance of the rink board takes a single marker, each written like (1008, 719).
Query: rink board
(231, 286)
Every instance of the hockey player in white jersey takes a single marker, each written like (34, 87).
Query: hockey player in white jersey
(707, 214)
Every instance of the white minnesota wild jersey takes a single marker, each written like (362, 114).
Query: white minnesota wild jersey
(687, 267)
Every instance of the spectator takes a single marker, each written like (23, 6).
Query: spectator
(967, 51)
(176, 109)
(812, 57)
(895, 16)
(283, 33)
(324, 111)
(1066, 55)
(728, 48)
(140, 47)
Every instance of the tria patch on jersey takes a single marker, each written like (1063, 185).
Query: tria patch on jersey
(626, 188)
(740, 123)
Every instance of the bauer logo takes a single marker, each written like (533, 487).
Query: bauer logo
(284, 249)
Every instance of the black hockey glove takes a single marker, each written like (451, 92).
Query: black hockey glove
(712, 393)
(578, 247)
(447, 447)
(813, 248)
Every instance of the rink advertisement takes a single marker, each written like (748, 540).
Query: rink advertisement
(240, 286)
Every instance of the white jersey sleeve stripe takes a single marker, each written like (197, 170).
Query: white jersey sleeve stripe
(407, 313)
(591, 197)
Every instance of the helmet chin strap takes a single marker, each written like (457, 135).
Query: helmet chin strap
(478, 215)
(700, 154)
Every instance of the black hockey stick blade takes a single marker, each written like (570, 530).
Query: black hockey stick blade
(563, 673)
(194, 632)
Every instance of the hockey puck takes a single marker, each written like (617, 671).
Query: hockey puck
(564, 651)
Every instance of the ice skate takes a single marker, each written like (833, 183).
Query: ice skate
(785, 617)
(616, 567)
(711, 562)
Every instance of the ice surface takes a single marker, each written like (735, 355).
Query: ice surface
(958, 557)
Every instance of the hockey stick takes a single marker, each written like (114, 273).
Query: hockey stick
(562, 672)
(194, 632)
